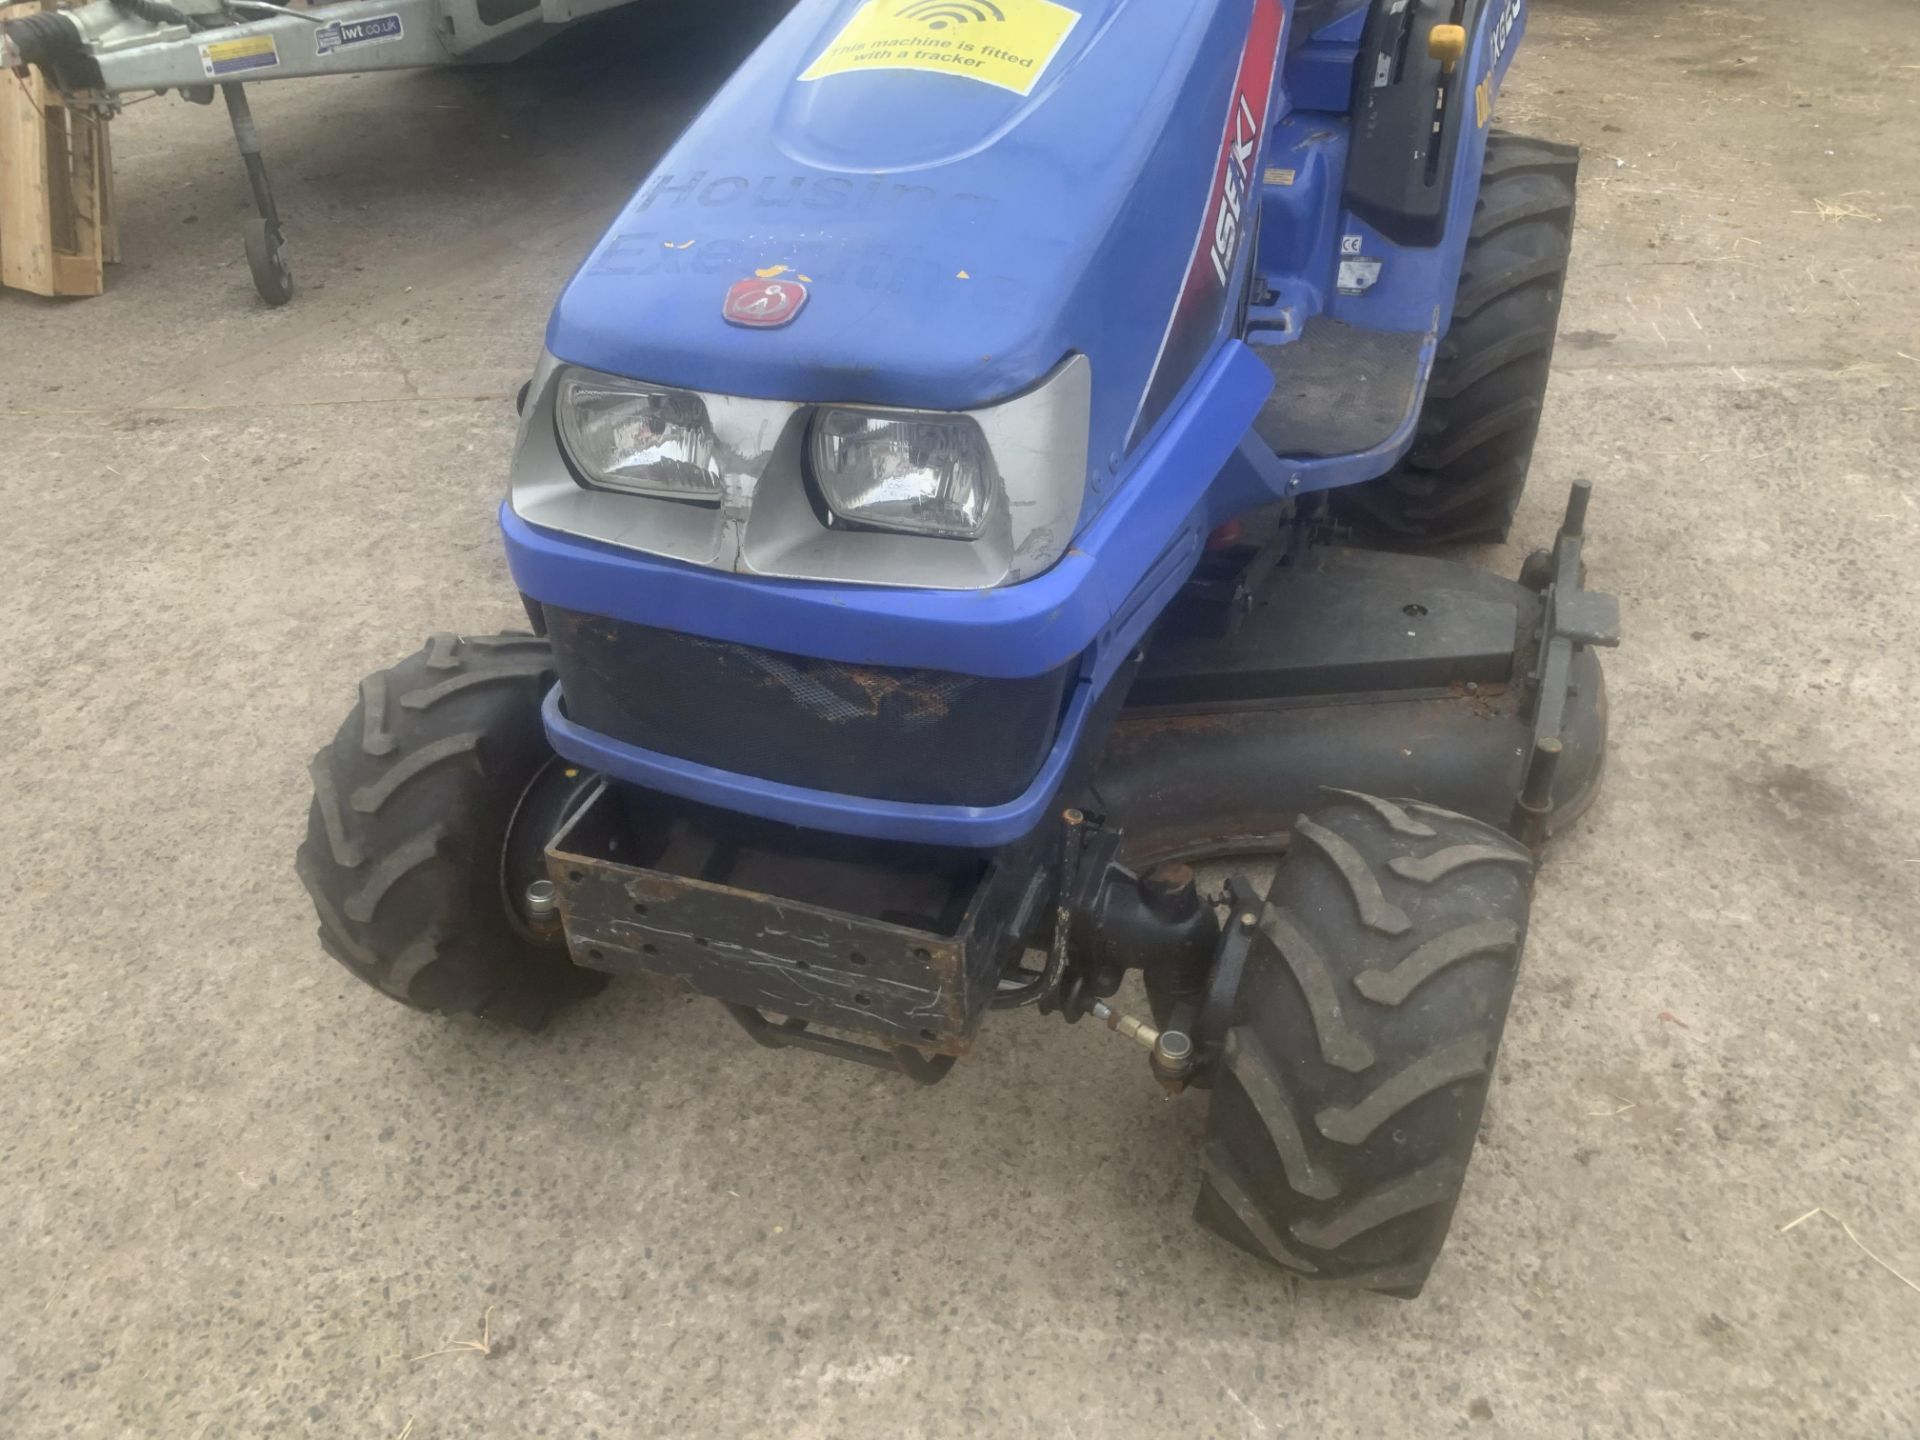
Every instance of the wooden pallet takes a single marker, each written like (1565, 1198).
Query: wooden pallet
(56, 187)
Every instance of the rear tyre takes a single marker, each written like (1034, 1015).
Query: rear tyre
(1468, 467)
(1362, 1041)
(408, 835)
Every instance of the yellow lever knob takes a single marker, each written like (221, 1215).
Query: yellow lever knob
(1447, 44)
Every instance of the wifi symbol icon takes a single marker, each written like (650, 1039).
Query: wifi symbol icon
(939, 14)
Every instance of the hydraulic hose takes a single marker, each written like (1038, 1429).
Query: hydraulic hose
(1072, 836)
(56, 40)
(154, 12)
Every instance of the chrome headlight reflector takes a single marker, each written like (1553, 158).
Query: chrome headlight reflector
(915, 474)
(644, 439)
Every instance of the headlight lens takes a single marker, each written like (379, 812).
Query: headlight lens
(917, 474)
(646, 439)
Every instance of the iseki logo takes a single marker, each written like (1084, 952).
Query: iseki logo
(1503, 28)
(1233, 186)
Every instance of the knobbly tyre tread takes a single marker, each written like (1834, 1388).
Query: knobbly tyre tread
(1356, 1067)
(412, 802)
(368, 799)
(1464, 475)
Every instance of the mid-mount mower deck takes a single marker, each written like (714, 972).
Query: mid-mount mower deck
(929, 564)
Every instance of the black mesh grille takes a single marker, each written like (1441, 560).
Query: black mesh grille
(886, 733)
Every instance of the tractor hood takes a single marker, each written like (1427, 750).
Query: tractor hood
(967, 190)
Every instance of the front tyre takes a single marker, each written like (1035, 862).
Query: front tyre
(1363, 1040)
(408, 838)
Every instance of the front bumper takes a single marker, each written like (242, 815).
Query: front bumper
(924, 736)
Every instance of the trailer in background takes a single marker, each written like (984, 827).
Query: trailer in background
(90, 56)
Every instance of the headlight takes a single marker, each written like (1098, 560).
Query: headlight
(856, 493)
(916, 474)
(646, 439)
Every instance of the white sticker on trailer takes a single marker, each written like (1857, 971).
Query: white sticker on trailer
(372, 30)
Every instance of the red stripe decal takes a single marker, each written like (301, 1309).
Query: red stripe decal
(1233, 184)
(1196, 314)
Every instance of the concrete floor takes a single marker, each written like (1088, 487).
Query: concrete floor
(240, 1191)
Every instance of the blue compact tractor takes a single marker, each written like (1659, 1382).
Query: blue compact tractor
(983, 474)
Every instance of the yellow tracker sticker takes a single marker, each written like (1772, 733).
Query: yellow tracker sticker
(230, 57)
(1008, 43)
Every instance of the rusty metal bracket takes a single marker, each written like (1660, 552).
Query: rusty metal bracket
(792, 1034)
(899, 947)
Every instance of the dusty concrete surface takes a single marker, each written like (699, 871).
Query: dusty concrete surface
(240, 1191)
